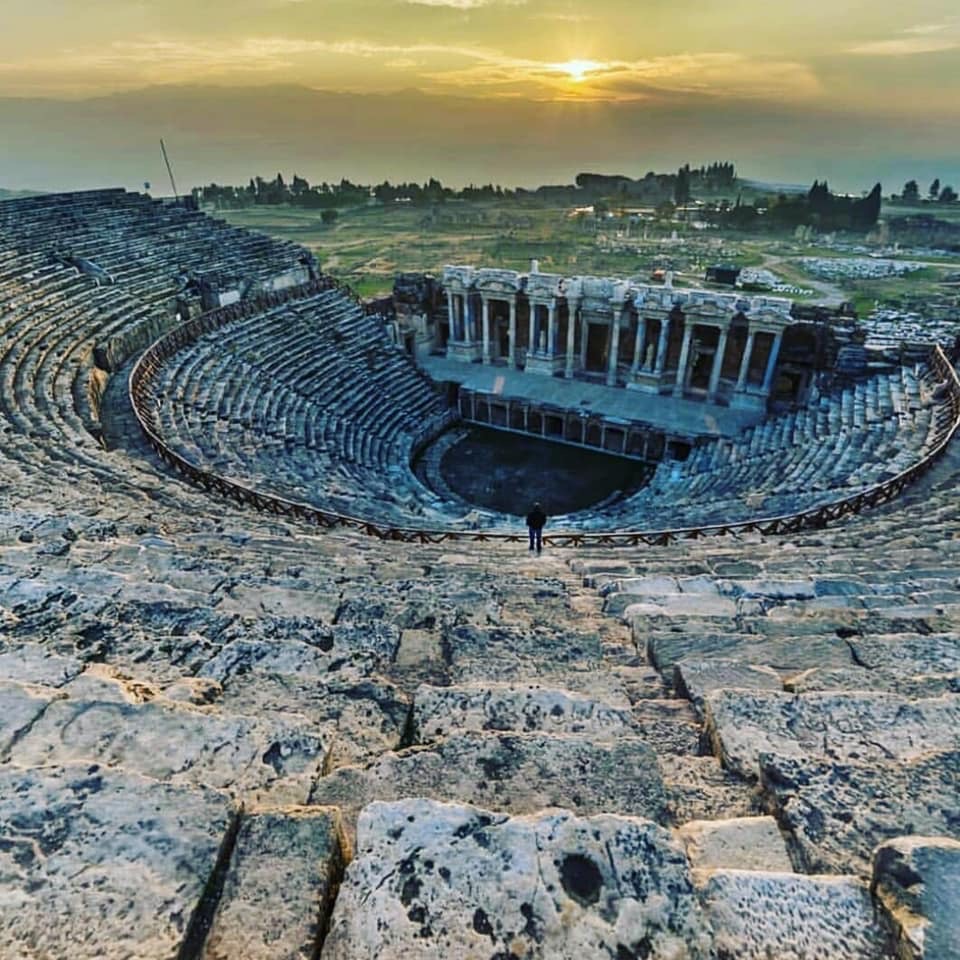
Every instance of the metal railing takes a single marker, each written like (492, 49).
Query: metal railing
(815, 518)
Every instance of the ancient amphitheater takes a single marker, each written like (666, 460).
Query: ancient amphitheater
(267, 693)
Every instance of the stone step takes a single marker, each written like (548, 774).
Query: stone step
(512, 772)
(836, 812)
(104, 864)
(743, 725)
(247, 757)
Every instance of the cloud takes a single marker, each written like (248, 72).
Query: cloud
(465, 4)
(471, 70)
(921, 38)
(707, 75)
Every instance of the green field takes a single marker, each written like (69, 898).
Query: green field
(368, 246)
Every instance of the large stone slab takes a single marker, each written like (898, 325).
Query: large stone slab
(694, 678)
(360, 717)
(168, 741)
(99, 864)
(837, 813)
(516, 773)
(21, 705)
(878, 680)
(807, 649)
(909, 655)
(859, 726)
(34, 663)
(278, 891)
(338, 649)
(917, 879)
(440, 711)
(756, 916)
(434, 880)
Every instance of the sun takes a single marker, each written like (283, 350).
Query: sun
(577, 70)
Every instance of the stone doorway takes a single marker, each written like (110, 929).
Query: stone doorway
(597, 337)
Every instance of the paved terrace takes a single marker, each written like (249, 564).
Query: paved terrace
(672, 415)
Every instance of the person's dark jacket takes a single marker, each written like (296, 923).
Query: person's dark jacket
(536, 519)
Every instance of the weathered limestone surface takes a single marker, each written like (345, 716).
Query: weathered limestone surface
(434, 880)
(855, 726)
(359, 717)
(880, 680)
(756, 916)
(99, 864)
(698, 640)
(694, 678)
(837, 813)
(33, 663)
(440, 711)
(512, 772)
(743, 843)
(279, 888)
(917, 879)
(21, 706)
(169, 741)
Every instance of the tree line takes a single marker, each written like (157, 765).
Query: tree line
(587, 188)
(935, 193)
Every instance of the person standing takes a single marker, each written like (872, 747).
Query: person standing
(536, 520)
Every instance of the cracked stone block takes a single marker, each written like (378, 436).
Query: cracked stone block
(169, 741)
(433, 879)
(513, 772)
(756, 916)
(917, 879)
(741, 843)
(857, 726)
(21, 705)
(694, 678)
(441, 711)
(836, 813)
(99, 864)
(279, 888)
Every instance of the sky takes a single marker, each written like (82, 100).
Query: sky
(864, 89)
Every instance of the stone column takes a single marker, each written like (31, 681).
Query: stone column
(485, 329)
(662, 346)
(451, 315)
(745, 360)
(468, 336)
(772, 361)
(717, 365)
(552, 328)
(532, 343)
(572, 306)
(513, 331)
(614, 351)
(684, 358)
(638, 344)
(584, 337)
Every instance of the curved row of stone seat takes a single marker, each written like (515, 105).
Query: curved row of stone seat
(839, 444)
(307, 401)
(145, 245)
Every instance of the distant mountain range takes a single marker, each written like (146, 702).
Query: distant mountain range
(228, 134)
